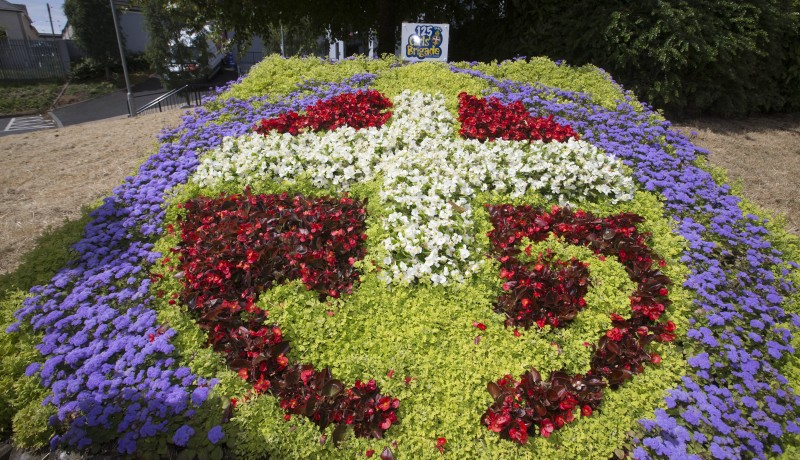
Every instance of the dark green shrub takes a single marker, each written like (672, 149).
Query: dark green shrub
(87, 69)
(138, 63)
(717, 56)
(790, 80)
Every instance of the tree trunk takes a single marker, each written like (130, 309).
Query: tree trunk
(387, 26)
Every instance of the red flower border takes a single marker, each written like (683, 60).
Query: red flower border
(358, 110)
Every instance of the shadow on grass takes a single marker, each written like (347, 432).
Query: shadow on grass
(52, 252)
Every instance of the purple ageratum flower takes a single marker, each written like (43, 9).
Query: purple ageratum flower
(700, 361)
(216, 434)
(749, 402)
(692, 416)
(774, 349)
(32, 369)
(148, 429)
(182, 435)
(719, 452)
(199, 395)
(640, 454)
(127, 443)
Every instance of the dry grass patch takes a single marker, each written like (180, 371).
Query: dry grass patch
(762, 153)
(49, 175)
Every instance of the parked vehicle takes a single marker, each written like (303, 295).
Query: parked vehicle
(194, 56)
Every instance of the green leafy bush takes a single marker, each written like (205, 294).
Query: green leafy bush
(720, 56)
(87, 69)
(586, 79)
(20, 396)
(275, 76)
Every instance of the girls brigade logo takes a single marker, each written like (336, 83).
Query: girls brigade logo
(425, 42)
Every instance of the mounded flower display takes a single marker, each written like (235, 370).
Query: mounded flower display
(514, 260)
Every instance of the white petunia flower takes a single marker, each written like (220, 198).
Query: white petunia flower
(430, 177)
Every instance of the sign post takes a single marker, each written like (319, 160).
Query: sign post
(131, 102)
(425, 42)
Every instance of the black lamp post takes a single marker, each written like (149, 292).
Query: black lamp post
(131, 102)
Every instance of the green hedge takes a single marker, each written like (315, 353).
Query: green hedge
(725, 57)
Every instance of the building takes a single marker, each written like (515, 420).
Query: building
(131, 24)
(15, 23)
(133, 27)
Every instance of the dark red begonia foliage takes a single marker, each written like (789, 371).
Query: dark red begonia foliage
(550, 292)
(234, 247)
(358, 110)
(546, 292)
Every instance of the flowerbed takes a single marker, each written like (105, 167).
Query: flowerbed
(235, 247)
(420, 232)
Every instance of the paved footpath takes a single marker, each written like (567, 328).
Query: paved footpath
(100, 108)
(116, 104)
(28, 123)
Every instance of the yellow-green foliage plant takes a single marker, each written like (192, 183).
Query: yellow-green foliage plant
(21, 410)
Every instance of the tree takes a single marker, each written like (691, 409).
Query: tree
(727, 57)
(177, 49)
(255, 17)
(94, 30)
(298, 39)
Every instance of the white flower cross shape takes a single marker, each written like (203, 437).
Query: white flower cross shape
(430, 177)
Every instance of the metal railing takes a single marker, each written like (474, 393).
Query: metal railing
(184, 97)
(248, 60)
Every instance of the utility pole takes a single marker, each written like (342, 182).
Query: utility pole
(52, 29)
(131, 102)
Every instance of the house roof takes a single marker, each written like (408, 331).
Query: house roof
(18, 8)
(8, 6)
